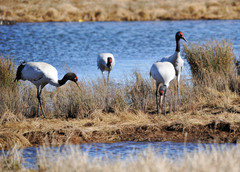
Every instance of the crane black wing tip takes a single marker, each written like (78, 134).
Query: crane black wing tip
(19, 71)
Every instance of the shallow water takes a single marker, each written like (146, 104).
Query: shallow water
(123, 150)
(135, 45)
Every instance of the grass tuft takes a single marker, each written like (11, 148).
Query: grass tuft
(212, 65)
(9, 90)
(11, 160)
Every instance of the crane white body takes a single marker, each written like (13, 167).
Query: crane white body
(104, 65)
(41, 74)
(162, 72)
(177, 62)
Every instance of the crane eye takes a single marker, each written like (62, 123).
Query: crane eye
(76, 79)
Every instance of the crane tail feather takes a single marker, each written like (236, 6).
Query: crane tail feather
(19, 71)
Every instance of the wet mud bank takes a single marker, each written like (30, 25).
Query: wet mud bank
(214, 132)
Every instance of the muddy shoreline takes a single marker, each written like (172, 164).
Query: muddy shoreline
(216, 131)
(221, 132)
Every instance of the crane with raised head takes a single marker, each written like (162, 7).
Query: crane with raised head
(176, 60)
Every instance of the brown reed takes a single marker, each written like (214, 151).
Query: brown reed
(213, 65)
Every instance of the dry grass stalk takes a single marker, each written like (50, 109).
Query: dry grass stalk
(11, 160)
(71, 157)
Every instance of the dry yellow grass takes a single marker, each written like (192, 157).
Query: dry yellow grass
(117, 10)
(72, 158)
(122, 126)
(214, 160)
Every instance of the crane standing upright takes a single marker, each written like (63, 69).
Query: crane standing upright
(176, 60)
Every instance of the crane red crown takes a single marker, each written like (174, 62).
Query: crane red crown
(161, 92)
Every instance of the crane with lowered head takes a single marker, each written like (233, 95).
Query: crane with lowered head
(162, 72)
(41, 74)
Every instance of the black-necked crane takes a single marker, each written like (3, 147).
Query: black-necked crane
(176, 60)
(162, 72)
(41, 74)
(105, 62)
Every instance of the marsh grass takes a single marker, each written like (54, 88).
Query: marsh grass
(214, 73)
(212, 63)
(9, 90)
(11, 160)
(94, 95)
(71, 157)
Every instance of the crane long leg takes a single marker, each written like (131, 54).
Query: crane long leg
(108, 77)
(103, 78)
(157, 88)
(178, 91)
(107, 94)
(39, 101)
(164, 99)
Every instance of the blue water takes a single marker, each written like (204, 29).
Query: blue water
(123, 150)
(135, 45)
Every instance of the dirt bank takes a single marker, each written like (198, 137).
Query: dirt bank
(204, 125)
(218, 132)
(118, 10)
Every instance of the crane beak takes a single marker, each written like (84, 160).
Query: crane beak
(161, 100)
(78, 85)
(184, 39)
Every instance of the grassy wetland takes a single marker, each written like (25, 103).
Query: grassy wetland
(118, 10)
(209, 111)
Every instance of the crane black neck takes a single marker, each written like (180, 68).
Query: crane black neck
(109, 62)
(68, 76)
(177, 44)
